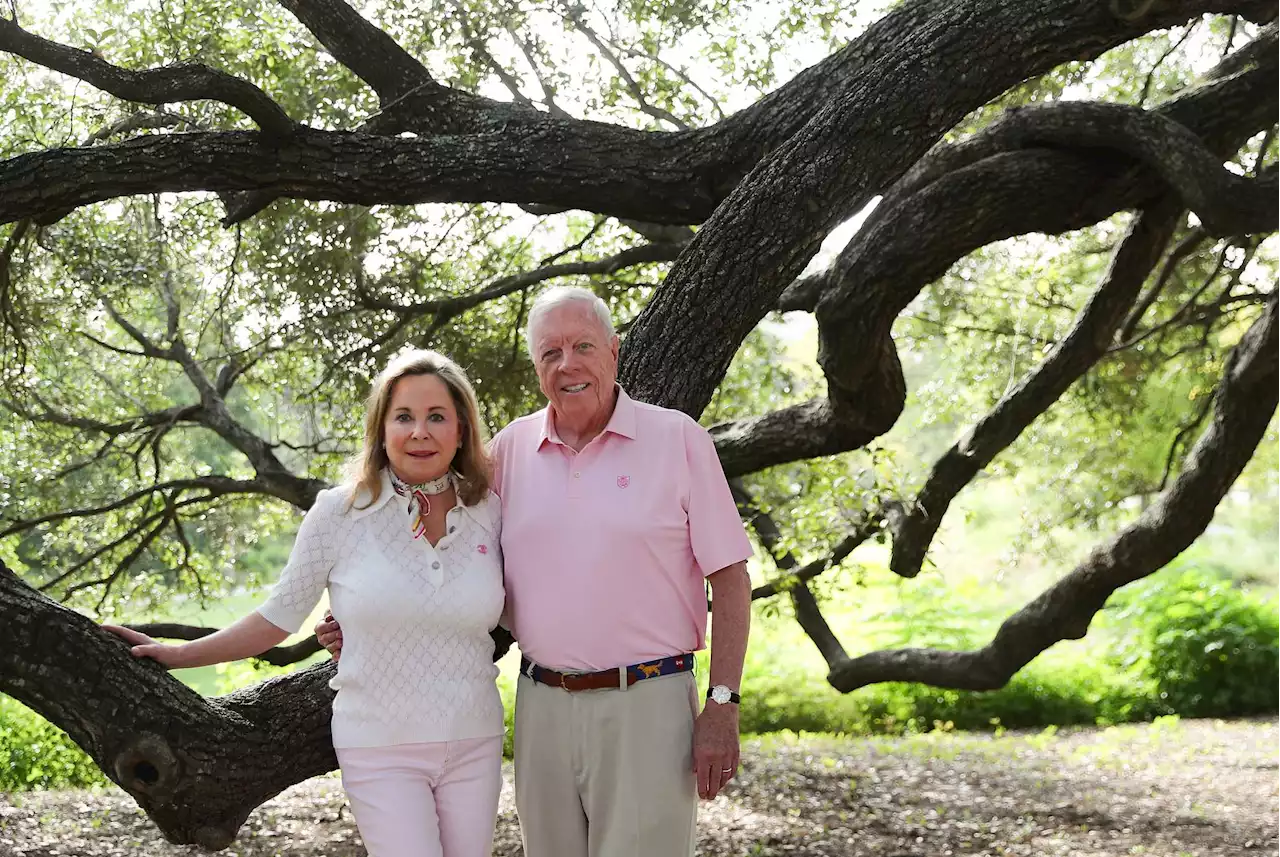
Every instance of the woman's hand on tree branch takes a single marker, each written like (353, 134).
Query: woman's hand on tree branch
(142, 646)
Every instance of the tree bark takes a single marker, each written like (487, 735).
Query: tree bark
(769, 183)
(197, 766)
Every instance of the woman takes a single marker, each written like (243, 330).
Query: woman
(417, 720)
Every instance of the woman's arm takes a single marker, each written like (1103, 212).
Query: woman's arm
(249, 636)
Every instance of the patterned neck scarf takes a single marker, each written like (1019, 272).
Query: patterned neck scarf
(420, 498)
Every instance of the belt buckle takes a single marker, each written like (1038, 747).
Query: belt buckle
(563, 686)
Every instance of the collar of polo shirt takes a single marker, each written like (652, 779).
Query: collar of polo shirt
(622, 421)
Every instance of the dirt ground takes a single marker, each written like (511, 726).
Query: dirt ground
(1168, 789)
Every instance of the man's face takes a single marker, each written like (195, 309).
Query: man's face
(576, 361)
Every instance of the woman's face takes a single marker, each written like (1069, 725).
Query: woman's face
(421, 431)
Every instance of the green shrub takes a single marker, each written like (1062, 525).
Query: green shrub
(35, 754)
(1209, 648)
(1041, 695)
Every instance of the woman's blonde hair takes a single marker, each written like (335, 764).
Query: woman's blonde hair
(470, 465)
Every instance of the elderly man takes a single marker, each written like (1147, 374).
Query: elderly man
(614, 512)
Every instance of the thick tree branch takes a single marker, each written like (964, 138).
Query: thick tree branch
(568, 165)
(1135, 258)
(993, 196)
(1243, 407)
(183, 82)
(488, 151)
(768, 228)
(1226, 203)
(196, 766)
(807, 430)
(371, 54)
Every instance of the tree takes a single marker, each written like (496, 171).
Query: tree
(243, 351)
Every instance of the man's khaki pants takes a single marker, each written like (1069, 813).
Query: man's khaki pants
(607, 773)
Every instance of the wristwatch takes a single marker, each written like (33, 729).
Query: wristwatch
(722, 695)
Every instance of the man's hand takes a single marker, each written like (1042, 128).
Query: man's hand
(329, 633)
(715, 748)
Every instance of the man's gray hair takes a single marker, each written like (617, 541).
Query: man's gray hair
(559, 296)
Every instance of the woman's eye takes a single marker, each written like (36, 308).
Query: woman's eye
(403, 418)
(436, 418)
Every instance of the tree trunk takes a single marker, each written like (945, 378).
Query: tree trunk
(197, 766)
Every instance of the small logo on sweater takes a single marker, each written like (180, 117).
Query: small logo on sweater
(624, 481)
(483, 548)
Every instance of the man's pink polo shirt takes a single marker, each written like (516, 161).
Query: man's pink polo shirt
(606, 549)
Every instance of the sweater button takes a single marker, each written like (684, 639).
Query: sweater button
(435, 564)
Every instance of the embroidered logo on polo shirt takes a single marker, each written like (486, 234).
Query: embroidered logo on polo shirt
(483, 548)
(624, 481)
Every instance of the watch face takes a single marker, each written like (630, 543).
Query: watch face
(720, 694)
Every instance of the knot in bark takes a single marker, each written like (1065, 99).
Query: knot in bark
(148, 767)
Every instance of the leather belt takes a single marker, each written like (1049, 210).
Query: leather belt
(604, 679)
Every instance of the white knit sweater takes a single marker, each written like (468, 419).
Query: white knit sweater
(417, 658)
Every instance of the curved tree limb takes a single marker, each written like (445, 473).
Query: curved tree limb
(212, 412)
(808, 613)
(814, 428)
(1002, 194)
(197, 766)
(1214, 109)
(1135, 258)
(688, 173)
(1226, 203)
(371, 54)
(768, 228)
(1243, 407)
(570, 165)
(183, 82)
(932, 218)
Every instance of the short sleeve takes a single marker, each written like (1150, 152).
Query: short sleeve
(306, 575)
(716, 534)
(497, 452)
